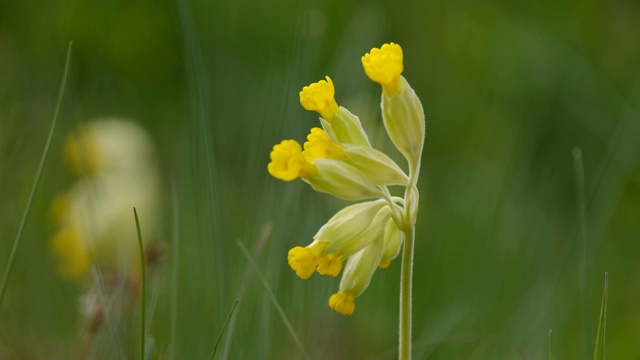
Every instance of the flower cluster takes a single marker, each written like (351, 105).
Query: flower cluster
(338, 159)
(116, 165)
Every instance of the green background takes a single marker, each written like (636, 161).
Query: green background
(509, 89)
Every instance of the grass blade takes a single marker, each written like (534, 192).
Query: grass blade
(584, 253)
(174, 269)
(276, 304)
(552, 353)
(602, 323)
(36, 181)
(224, 327)
(142, 288)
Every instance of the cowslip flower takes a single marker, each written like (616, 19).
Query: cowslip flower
(320, 97)
(338, 159)
(384, 66)
(117, 169)
(402, 111)
(340, 124)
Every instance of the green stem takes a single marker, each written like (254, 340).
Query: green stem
(405, 293)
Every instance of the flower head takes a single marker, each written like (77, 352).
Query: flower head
(288, 163)
(338, 159)
(384, 66)
(320, 97)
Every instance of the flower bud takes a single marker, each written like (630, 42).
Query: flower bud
(393, 239)
(404, 120)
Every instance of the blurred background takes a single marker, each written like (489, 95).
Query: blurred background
(509, 90)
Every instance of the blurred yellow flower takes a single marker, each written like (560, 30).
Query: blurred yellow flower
(94, 219)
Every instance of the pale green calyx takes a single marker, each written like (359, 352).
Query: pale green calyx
(403, 118)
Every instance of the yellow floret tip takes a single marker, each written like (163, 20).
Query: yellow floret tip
(60, 207)
(330, 265)
(342, 302)
(80, 152)
(384, 66)
(384, 265)
(319, 146)
(68, 243)
(303, 261)
(320, 97)
(288, 163)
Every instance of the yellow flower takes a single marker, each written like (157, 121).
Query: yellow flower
(384, 66)
(304, 260)
(319, 146)
(342, 302)
(288, 162)
(319, 97)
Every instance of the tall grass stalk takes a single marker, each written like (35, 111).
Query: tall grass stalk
(584, 248)
(602, 323)
(36, 181)
(199, 91)
(175, 258)
(552, 354)
(276, 304)
(224, 327)
(102, 295)
(142, 289)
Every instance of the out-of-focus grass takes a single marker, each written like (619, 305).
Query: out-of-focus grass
(508, 91)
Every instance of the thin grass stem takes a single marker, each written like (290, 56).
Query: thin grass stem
(175, 258)
(224, 327)
(36, 181)
(142, 289)
(584, 248)
(599, 353)
(276, 304)
(552, 354)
